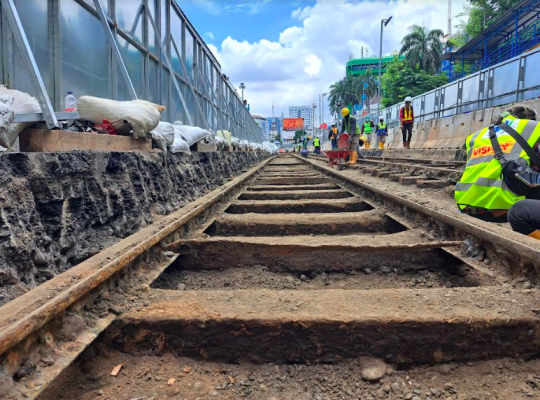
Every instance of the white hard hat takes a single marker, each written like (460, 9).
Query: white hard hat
(408, 98)
(381, 117)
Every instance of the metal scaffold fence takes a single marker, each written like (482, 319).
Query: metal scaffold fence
(122, 50)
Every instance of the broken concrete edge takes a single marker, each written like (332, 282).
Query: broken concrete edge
(33, 310)
(35, 384)
(262, 323)
(523, 247)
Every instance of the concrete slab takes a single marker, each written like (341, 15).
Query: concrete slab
(374, 221)
(292, 181)
(351, 204)
(295, 195)
(322, 186)
(403, 251)
(400, 325)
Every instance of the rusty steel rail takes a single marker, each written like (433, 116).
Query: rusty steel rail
(524, 248)
(30, 312)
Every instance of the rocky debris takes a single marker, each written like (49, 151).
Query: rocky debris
(58, 209)
(258, 276)
(493, 380)
(373, 370)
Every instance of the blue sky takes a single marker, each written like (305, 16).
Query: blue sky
(288, 52)
(242, 20)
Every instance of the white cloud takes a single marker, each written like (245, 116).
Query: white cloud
(313, 65)
(209, 35)
(309, 57)
(208, 6)
(253, 7)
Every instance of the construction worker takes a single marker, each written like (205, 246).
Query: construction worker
(317, 145)
(490, 189)
(367, 130)
(332, 136)
(382, 133)
(349, 125)
(406, 118)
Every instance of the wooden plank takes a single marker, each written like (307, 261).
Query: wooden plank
(203, 147)
(42, 140)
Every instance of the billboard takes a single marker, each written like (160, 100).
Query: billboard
(293, 124)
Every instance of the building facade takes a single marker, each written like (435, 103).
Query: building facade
(263, 124)
(359, 66)
(302, 112)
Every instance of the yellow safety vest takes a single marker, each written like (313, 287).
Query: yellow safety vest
(407, 117)
(482, 184)
(316, 142)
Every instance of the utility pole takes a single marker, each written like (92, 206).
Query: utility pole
(449, 18)
(322, 107)
(314, 106)
(242, 86)
(384, 22)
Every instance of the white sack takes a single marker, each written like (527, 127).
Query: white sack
(193, 134)
(179, 145)
(221, 142)
(23, 103)
(227, 135)
(166, 130)
(139, 115)
(158, 140)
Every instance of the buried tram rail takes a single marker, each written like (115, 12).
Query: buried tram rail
(288, 215)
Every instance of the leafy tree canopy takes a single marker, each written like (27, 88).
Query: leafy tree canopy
(401, 80)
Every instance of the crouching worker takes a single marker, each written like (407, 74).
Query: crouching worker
(501, 182)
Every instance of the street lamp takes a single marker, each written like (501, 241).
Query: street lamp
(314, 106)
(322, 107)
(384, 22)
(242, 86)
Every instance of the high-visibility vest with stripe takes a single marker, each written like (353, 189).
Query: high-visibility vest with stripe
(368, 128)
(316, 142)
(348, 128)
(381, 128)
(482, 184)
(407, 116)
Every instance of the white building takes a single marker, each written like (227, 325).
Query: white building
(302, 112)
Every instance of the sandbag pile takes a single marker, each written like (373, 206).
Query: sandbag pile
(138, 115)
(14, 102)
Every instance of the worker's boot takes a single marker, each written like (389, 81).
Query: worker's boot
(535, 234)
(367, 146)
(353, 158)
(381, 145)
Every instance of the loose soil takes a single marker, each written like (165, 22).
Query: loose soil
(146, 377)
(259, 277)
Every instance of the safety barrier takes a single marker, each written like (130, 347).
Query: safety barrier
(450, 132)
(122, 50)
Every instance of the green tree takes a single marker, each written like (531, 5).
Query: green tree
(422, 48)
(481, 14)
(401, 80)
(298, 135)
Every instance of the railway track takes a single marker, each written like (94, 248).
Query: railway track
(291, 265)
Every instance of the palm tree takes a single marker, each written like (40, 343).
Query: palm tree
(422, 48)
(370, 86)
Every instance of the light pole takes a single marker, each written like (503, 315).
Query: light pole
(314, 106)
(384, 22)
(322, 107)
(242, 86)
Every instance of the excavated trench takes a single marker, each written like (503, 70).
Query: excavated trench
(294, 290)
